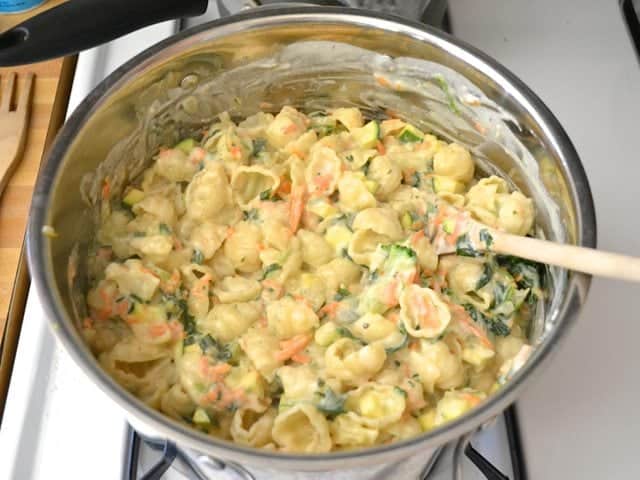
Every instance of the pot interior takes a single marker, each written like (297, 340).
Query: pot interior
(312, 61)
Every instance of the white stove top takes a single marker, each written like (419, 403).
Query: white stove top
(578, 417)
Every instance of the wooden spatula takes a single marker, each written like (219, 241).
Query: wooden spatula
(13, 126)
(461, 234)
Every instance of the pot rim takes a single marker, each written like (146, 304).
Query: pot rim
(62, 326)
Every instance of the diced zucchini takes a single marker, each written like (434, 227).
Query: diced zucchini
(427, 420)
(187, 145)
(200, 417)
(326, 334)
(449, 226)
(406, 220)
(442, 184)
(410, 134)
(133, 196)
(322, 208)
(372, 185)
(367, 136)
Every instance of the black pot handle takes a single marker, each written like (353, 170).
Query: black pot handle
(80, 24)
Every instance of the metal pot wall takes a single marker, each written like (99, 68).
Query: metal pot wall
(308, 57)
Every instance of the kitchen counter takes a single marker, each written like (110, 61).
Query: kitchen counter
(579, 418)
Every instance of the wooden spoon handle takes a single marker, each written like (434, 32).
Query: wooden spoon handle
(581, 259)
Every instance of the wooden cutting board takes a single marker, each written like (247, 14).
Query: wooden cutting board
(52, 85)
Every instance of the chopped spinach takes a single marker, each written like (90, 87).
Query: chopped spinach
(345, 254)
(251, 215)
(188, 324)
(215, 349)
(265, 195)
(258, 147)
(269, 270)
(526, 273)
(139, 234)
(330, 403)
(485, 278)
(494, 325)
(464, 248)
(349, 158)
(207, 343)
(415, 180)
(197, 257)
(365, 167)
(502, 293)
(344, 332)
(190, 340)
(400, 391)
(486, 238)
(164, 229)
(341, 294)
(402, 344)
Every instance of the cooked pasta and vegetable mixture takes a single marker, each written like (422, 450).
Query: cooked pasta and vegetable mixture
(275, 282)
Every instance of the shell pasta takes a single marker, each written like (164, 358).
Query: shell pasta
(275, 282)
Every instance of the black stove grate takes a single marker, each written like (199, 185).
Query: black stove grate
(170, 454)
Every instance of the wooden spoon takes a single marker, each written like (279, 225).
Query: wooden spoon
(455, 232)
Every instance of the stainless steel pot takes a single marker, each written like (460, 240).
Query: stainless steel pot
(309, 58)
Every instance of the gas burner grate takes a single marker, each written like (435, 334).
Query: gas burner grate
(171, 454)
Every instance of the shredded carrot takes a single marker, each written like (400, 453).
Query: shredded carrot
(197, 155)
(296, 206)
(262, 321)
(467, 323)
(389, 294)
(235, 152)
(177, 332)
(423, 311)
(322, 182)
(106, 189)
(291, 128)
(87, 322)
(148, 271)
(122, 308)
(284, 187)
(415, 238)
(158, 329)
(177, 244)
(230, 232)
(411, 277)
(288, 348)
(219, 369)
(381, 148)
(302, 299)
(414, 345)
(472, 400)
(330, 309)
(301, 357)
